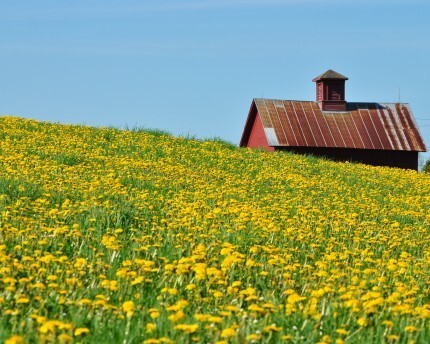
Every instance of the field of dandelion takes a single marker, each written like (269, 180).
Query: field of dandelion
(110, 236)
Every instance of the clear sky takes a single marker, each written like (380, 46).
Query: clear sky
(192, 67)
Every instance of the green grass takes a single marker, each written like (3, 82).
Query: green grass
(250, 246)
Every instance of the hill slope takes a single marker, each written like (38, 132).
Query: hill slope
(121, 236)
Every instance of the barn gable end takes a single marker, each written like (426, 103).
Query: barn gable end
(258, 137)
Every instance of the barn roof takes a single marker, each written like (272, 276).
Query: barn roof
(388, 126)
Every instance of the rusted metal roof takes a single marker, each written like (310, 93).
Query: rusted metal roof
(362, 126)
(330, 75)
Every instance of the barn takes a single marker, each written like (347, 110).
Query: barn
(379, 134)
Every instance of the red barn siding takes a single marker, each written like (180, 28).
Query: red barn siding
(257, 137)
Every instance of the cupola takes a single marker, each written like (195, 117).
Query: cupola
(330, 91)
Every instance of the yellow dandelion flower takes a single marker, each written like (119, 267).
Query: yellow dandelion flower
(256, 308)
(228, 332)
(179, 315)
(411, 329)
(80, 331)
(150, 327)
(253, 337)
(273, 328)
(187, 328)
(128, 308)
(362, 321)
(22, 300)
(393, 337)
(342, 331)
(388, 323)
(191, 286)
(64, 338)
(15, 340)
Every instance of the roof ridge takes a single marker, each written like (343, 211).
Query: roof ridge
(348, 102)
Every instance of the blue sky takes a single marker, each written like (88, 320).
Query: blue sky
(192, 67)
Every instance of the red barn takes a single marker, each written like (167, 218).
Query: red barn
(379, 134)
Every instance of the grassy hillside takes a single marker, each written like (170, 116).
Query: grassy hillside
(110, 236)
